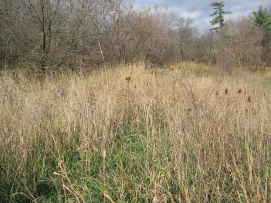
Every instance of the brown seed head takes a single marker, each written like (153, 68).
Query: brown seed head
(239, 91)
(249, 99)
(226, 91)
(128, 78)
(189, 110)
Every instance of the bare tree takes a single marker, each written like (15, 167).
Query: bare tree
(80, 33)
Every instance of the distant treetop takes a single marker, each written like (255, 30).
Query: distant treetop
(218, 14)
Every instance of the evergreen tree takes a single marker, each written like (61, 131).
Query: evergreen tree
(218, 15)
(262, 19)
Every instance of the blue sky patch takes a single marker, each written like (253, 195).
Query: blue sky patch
(200, 10)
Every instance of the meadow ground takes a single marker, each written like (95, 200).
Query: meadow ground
(188, 133)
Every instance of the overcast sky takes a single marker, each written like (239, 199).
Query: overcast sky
(200, 10)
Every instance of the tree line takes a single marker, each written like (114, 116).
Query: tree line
(84, 33)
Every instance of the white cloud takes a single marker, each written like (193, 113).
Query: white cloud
(192, 15)
(172, 10)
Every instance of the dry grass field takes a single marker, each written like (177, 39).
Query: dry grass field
(187, 133)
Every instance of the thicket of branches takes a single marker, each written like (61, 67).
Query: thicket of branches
(78, 33)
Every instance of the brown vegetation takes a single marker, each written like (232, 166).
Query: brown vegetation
(72, 34)
(95, 138)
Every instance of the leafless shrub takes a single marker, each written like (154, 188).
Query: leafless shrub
(86, 33)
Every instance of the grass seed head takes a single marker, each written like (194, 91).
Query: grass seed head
(128, 78)
(226, 91)
(249, 99)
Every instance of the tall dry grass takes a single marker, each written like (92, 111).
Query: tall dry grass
(127, 134)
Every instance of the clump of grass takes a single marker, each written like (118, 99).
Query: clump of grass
(173, 138)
